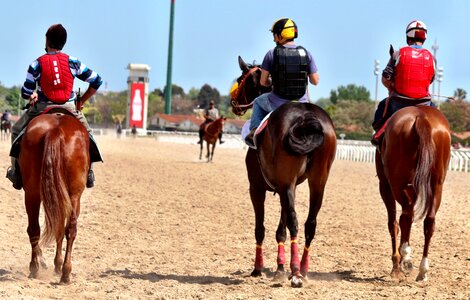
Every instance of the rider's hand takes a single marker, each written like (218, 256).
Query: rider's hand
(33, 98)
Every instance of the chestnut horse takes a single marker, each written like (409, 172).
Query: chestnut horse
(298, 144)
(211, 135)
(54, 161)
(411, 166)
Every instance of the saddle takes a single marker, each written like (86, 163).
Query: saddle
(258, 131)
(95, 154)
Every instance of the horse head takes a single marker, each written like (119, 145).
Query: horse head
(246, 88)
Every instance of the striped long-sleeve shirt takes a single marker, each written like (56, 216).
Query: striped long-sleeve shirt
(78, 69)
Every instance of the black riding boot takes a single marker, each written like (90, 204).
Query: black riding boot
(90, 180)
(220, 138)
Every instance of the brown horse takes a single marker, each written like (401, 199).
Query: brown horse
(5, 130)
(211, 134)
(298, 144)
(54, 161)
(411, 166)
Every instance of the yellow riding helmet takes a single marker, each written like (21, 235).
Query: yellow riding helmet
(286, 28)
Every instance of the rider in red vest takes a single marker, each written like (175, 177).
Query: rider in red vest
(49, 82)
(407, 77)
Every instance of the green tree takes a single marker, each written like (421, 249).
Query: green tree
(156, 104)
(324, 102)
(458, 114)
(350, 92)
(351, 116)
(206, 94)
(176, 90)
(193, 93)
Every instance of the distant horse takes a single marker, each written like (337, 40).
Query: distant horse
(54, 161)
(411, 166)
(298, 144)
(211, 135)
(6, 130)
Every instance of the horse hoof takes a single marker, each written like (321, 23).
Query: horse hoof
(296, 282)
(422, 277)
(65, 279)
(256, 273)
(396, 275)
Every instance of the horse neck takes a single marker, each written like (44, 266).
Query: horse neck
(214, 127)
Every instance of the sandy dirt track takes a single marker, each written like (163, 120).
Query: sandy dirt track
(160, 224)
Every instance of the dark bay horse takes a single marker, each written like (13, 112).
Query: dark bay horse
(5, 130)
(211, 135)
(54, 161)
(411, 166)
(298, 144)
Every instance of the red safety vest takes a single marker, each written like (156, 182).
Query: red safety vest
(56, 78)
(414, 72)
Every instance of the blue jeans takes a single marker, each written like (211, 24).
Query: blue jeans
(261, 107)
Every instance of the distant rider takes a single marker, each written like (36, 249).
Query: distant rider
(211, 114)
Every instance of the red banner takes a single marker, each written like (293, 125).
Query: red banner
(137, 105)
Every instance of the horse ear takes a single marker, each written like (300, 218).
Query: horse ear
(391, 51)
(243, 65)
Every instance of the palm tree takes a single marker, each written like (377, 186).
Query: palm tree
(460, 94)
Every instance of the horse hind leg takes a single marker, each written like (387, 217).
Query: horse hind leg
(287, 203)
(34, 233)
(406, 221)
(258, 197)
(429, 225)
(70, 235)
(58, 259)
(280, 274)
(316, 200)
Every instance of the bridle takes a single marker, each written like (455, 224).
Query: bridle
(241, 108)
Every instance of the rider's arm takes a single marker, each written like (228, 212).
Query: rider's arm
(29, 86)
(388, 73)
(88, 75)
(264, 80)
(314, 78)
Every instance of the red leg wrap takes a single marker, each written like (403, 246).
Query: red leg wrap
(294, 257)
(281, 255)
(304, 262)
(259, 263)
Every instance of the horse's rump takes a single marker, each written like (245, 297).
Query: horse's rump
(299, 125)
(54, 161)
(416, 152)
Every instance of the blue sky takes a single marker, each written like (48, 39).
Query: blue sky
(345, 37)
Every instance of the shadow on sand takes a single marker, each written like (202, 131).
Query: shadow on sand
(154, 277)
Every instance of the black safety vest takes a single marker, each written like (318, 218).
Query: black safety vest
(290, 72)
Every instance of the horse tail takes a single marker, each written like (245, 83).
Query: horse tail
(53, 187)
(304, 135)
(422, 178)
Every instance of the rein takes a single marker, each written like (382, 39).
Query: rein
(241, 87)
